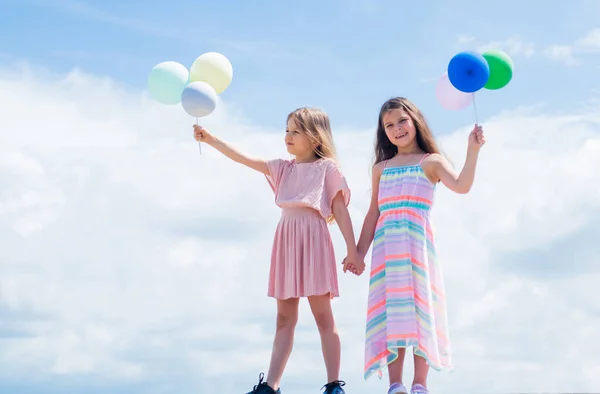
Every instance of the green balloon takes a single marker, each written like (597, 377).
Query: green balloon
(167, 81)
(501, 69)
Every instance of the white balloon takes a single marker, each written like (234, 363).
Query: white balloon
(214, 69)
(199, 99)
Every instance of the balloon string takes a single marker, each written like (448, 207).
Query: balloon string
(199, 143)
(475, 109)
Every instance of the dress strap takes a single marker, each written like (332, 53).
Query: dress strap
(423, 158)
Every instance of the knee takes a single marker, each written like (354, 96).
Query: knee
(324, 321)
(286, 321)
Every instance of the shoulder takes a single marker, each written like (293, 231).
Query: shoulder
(433, 160)
(328, 162)
(277, 166)
(279, 162)
(432, 165)
(329, 165)
(378, 169)
(433, 157)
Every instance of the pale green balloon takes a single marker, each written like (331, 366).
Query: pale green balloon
(167, 81)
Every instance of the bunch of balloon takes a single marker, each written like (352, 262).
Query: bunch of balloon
(469, 72)
(197, 89)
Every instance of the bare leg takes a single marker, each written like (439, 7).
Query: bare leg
(330, 338)
(421, 370)
(287, 317)
(396, 367)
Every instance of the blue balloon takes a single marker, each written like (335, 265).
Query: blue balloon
(468, 71)
(199, 99)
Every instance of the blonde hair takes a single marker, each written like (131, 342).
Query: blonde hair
(314, 123)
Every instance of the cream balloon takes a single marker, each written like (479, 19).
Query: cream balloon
(214, 69)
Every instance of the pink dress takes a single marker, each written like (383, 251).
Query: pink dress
(302, 260)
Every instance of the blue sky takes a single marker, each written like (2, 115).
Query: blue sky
(129, 263)
(345, 56)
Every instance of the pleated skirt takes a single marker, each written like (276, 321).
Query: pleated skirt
(302, 259)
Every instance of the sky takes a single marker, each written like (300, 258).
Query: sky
(130, 263)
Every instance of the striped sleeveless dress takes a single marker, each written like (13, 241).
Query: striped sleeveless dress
(407, 305)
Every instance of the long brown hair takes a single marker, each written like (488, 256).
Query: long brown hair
(314, 123)
(384, 149)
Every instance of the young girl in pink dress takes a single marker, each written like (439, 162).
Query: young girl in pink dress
(407, 301)
(312, 192)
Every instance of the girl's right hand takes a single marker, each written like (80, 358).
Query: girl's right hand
(203, 135)
(356, 266)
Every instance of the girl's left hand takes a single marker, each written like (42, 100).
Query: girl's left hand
(353, 264)
(359, 267)
(476, 138)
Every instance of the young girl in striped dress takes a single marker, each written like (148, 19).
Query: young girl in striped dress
(312, 192)
(407, 301)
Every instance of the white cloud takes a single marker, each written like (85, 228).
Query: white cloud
(130, 259)
(513, 45)
(563, 54)
(465, 39)
(590, 41)
(570, 54)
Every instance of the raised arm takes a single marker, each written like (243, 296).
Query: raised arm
(439, 169)
(368, 229)
(203, 135)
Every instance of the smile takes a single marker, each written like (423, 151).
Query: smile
(402, 135)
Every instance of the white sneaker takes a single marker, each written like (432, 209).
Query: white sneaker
(418, 389)
(397, 388)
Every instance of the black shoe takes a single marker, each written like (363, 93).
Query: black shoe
(263, 387)
(334, 387)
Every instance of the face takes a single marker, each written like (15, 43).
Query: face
(399, 128)
(296, 141)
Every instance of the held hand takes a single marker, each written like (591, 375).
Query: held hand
(353, 264)
(359, 267)
(360, 262)
(203, 135)
(347, 265)
(476, 138)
